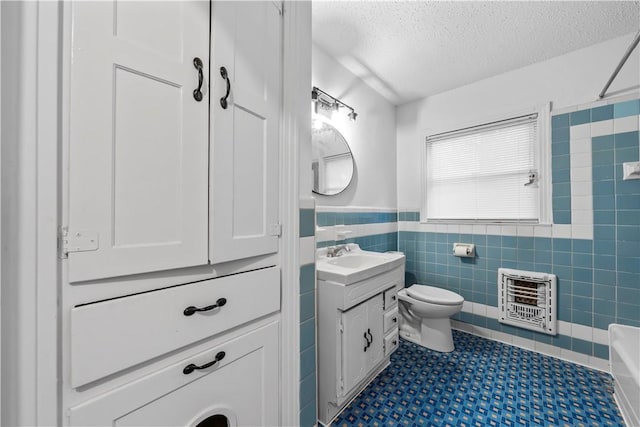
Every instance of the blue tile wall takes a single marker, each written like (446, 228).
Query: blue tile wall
(307, 345)
(409, 216)
(598, 279)
(307, 329)
(307, 222)
(348, 218)
(625, 109)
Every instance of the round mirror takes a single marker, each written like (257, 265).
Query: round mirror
(331, 158)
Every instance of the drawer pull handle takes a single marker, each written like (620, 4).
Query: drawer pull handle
(191, 367)
(395, 319)
(395, 342)
(393, 298)
(191, 309)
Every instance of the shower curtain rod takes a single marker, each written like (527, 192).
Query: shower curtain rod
(632, 46)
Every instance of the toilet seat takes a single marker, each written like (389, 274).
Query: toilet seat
(434, 295)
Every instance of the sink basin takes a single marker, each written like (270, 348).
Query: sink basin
(355, 265)
(354, 261)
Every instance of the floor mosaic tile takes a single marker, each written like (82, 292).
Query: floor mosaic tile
(482, 383)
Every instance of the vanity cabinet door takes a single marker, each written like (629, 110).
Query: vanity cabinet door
(246, 75)
(138, 137)
(362, 342)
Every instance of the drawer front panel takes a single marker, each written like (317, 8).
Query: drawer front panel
(242, 386)
(391, 319)
(390, 298)
(113, 335)
(391, 342)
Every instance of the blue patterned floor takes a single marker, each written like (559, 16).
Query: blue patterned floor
(482, 383)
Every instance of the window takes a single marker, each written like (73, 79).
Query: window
(485, 173)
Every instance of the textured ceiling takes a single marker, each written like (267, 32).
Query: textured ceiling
(408, 50)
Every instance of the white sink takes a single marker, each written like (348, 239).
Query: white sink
(355, 265)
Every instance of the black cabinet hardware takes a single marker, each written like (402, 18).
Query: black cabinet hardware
(197, 93)
(191, 309)
(225, 75)
(192, 367)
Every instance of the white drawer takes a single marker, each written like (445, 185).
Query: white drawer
(390, 298)
(391, 342)
(109, 336)
(391, 319)
(242, 386)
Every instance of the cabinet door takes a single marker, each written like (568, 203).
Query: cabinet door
(375, 321)
(354, 348)
(362, 342)
(138, 140)
(247, 41)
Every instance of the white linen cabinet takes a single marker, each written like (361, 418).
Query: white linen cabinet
(170, 213)
(139, 185)
(138, 138)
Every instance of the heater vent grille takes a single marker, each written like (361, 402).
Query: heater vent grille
(528, 300)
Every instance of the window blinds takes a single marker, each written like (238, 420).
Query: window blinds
(479, 173)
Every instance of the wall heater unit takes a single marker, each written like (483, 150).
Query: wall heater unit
(528, 300)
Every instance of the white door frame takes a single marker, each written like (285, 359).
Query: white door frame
(296, 116)
(30, 264)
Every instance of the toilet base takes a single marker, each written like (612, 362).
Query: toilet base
(434, 334)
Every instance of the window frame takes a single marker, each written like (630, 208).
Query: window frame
(542, 152)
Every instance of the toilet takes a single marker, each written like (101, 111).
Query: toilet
(424, 316)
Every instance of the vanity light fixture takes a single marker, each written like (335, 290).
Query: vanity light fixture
(322, 100)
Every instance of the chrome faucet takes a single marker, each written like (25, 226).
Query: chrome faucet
(335, 251)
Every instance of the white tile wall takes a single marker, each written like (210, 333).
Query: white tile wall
(326, 233)
(580, 131)
(307, 250)
(542, 231)
(562, 231)
(625, 124)
(581, 181)
(604, 127)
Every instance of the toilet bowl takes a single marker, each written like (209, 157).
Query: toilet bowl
(424, 316)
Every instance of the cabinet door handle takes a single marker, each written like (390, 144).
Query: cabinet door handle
(192, 367)
(225, 76)
(370, 337)
(366, 346)
(191, 309)
(197, 93)
(393, 298)
(395, 319)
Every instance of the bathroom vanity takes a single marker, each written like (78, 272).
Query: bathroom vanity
(357, 322)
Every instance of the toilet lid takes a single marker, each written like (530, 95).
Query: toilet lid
(434, 295)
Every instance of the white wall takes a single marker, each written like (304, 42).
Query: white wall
(372, 137)
(568, 80)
